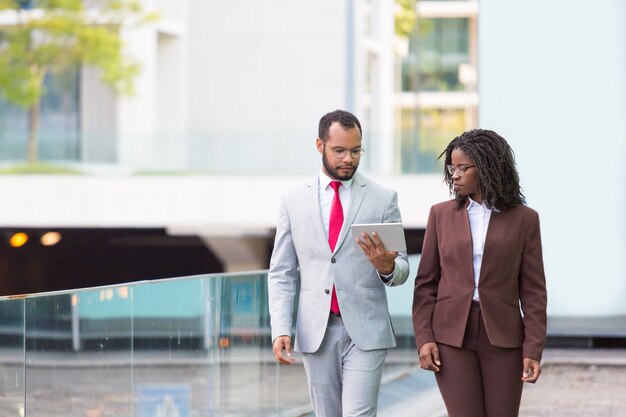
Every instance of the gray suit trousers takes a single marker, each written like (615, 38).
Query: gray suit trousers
(343, 380)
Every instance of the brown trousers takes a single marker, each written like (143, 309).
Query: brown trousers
(478, 379)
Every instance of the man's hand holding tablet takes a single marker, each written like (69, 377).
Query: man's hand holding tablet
(391, 234)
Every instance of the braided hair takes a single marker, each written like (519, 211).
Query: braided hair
(498, 180)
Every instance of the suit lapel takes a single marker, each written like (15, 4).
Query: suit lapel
(316, 211)
(495, 229)
(463, 231)
(356, 198)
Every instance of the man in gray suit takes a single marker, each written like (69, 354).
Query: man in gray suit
(343, 327)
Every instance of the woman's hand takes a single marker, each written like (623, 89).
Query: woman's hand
(429, 357)
(532, 370)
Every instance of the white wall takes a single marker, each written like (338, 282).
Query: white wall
(552, 81)
(98, 121)
(205, 205)
(262, 73)
(238, 88)
(146, 130)
(136, 115)
(170, 146)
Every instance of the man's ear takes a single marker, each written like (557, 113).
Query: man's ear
(319, 144)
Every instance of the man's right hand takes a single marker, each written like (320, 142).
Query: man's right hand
(283, 343)
(429, 357)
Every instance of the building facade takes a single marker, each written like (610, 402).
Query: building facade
(234, 92)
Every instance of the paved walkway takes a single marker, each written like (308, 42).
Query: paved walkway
(574, 383)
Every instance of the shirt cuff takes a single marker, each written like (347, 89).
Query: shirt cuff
(385, 278)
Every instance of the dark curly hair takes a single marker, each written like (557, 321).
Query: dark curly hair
(497, 175)
(346, 119)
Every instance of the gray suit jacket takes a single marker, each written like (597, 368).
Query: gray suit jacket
(301, 252)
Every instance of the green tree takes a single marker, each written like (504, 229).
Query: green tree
(50, 36)
(406, 17)
(407, 22)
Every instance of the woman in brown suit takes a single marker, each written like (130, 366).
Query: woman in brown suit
(481, 261)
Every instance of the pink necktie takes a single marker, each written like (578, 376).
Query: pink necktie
(334, 227)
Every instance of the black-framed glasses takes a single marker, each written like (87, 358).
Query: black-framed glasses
(341, 153)
(460, 170)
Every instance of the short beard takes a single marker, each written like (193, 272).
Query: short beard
(333, 172)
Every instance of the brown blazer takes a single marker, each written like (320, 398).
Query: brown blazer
(511, 275)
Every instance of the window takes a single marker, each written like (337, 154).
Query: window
(59, 126)
(436, 51)
(436, 98)
(425, 133)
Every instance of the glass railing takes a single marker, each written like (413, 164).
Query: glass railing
(183, 347)
(196, 346)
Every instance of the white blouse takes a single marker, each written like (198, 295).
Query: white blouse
(479, 216)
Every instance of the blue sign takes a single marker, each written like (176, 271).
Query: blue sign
(162, 400)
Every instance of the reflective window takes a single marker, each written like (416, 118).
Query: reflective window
(424, 135)
(436, 50)
(58, 126)
(436, 82)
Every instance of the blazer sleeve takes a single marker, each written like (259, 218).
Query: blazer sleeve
(533, 294)
(426, 284)
(282, 277)
(401, 266)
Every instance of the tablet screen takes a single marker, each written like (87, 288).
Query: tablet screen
(392, 234)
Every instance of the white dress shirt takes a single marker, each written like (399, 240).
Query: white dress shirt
(327, 193)
(479, 216)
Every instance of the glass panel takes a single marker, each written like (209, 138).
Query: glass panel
(105, 340)
(78, 354)
(248, 372)
(13, 131)
(197, 346)
(436, 50)
(425, 134)
(59, 130)
(59, 121)
(12, 358)
(174, 360)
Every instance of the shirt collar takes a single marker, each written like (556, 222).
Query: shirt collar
(472, 203)
(325, 180)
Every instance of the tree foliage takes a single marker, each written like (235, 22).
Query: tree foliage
(49, 36)
(406, 17)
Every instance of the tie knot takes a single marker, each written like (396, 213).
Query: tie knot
(335, 185)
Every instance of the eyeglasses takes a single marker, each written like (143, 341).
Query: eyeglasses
(460, 170)
(341, 153)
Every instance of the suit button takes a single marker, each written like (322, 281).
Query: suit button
(333, 260)
(327, 291)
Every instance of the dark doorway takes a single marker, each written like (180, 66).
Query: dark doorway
(94, 257)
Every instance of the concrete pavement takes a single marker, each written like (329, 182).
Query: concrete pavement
(574, 383)
(247, 382)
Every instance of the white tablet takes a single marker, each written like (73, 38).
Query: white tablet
(392, 234)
